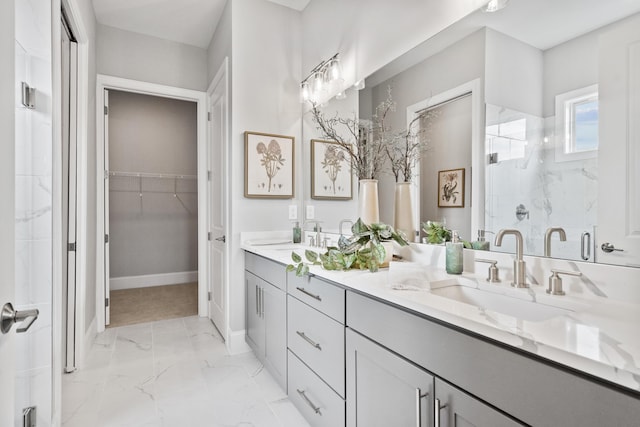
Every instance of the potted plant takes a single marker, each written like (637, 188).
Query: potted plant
(363, 250)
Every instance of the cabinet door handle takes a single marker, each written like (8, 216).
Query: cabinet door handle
(306, 292)
(309, 340)
(315, 408)
(419, 397)
(262, 302)
(585, 236)
(436, 412)
(257, 301)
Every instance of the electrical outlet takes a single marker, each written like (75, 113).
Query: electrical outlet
(293, 212)
(311, 212)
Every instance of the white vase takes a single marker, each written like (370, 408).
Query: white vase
(403, 210)
(368, 209)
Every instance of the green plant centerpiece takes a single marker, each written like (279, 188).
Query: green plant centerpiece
(363, 250)
(436, 232)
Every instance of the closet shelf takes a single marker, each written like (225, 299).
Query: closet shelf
(150, 175)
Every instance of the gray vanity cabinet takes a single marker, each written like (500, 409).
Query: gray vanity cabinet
(266, 314)
(384, 389)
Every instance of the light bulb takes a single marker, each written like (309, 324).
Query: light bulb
(334, 69)
(495, 5)
(305, 92)
(359, 85)
(341, 95)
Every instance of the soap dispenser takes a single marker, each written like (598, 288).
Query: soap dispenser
(297, 233)
(481, 244)
(454, 254)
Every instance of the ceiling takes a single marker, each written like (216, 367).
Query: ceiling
(191, 22)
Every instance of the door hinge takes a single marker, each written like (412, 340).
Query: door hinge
(209, 236)
(106, 302)
(29, 417)
(71, 247)
(208, 296)
(106, 110)
(106, 238)
(209, 175)
(209, 116)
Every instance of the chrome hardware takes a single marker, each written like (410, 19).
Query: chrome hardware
(312, 241)
(10, 316)
(588, 246)
(28, 96)
(493, 275)
(555, 282)
(315, 408)
(306, 292)
(522, 212)
(325, 242)
(309, 340)
(608, 248)
(257, 301)
(419, 397)
(318, 229)
(519, 266)
(29, 417)
(547, 238)
(222, 239)
(436, 412)
(262, 302)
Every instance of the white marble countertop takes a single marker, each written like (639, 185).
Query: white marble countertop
(598, 336)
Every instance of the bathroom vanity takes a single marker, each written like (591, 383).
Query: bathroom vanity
(359, 351)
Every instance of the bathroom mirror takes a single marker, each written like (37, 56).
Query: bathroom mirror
(539, 66)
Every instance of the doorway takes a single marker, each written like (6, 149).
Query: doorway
(104, 85)
(152, 202)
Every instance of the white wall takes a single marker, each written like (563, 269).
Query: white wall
(150, 59)
(265, 80)
(155, 233)
(220, 46)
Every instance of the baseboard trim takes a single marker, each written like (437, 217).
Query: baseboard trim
(148, 280)
(236, 343)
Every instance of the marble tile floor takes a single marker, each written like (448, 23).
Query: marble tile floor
(172, 373)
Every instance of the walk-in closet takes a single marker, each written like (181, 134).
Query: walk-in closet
(152, 208)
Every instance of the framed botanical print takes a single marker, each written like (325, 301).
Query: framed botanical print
(330, 171)
(451, 188)
(268, 166)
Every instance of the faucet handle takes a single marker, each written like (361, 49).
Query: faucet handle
(494, 273)
(555, 281)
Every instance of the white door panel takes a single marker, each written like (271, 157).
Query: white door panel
(619, 187)
(107, 309)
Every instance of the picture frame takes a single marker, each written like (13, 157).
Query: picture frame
(331, 177)
(451, 188)
(269, 166)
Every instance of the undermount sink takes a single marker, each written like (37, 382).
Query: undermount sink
(500, 303)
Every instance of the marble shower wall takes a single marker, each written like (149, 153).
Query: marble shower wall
(556, 194)
(33, 203)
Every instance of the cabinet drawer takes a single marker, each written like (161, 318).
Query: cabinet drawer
(318, 341)
(320, 405)
(319, 294)
(268, 270)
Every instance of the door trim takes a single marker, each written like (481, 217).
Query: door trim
(153, 89)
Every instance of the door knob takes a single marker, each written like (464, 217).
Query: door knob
(10, 316)
(221, 239)
(608, 248)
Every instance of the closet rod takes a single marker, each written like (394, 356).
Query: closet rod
(151, 175)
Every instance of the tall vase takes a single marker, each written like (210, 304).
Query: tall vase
(368, 209)
(403, 210)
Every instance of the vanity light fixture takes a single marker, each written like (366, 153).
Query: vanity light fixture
(324, 75)
(359, 85)
(495, 5)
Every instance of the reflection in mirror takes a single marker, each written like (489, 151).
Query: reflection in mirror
(555, 116)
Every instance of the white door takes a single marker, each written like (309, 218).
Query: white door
(217, 206)
(107, 308)
(618, 232)
(7, 210)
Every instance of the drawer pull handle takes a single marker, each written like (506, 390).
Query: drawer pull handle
(309, 340)
(436, 412)
(306, 292)
(419, 397)
(309, 402)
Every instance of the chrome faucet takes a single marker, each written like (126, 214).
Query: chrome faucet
(519, 266)
(344, 221)
(315, 242)
(547, 238)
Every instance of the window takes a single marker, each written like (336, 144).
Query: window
(507, 140)
(577, 124)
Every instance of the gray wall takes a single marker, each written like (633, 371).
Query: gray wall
(150, 59)
(155, 233)
(220, 46)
